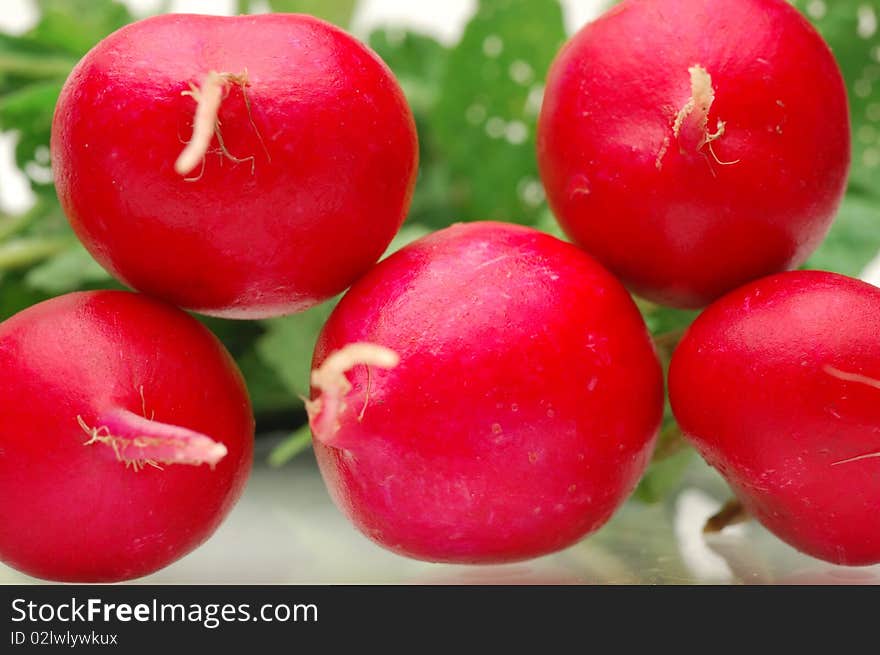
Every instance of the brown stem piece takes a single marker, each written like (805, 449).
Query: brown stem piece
(731, 514)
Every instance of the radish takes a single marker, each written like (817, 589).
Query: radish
(778, 386)
(242, 167)
(126, 436)
(488, 393)
(695, 145)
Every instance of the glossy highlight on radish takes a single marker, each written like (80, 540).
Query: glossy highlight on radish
(126, 437)
(695, 145)
(777, 385)
(267, 161)
(488, 393)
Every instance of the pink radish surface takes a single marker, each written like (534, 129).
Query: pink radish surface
(308, 173)
(695, 145)
(126, 437)
(778, 386)
(489, 393)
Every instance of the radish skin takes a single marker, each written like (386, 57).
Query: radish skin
(513, 405)
(126, 437)
(266, 161)
(692, 146)
(777, 384)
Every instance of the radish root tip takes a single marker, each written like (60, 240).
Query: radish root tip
(333, 386)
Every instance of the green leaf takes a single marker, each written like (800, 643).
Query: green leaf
(665, 320)
(296, 443)
(74, 26)
(418, 62)
(850, 28)
(854, 239)
(484, 121)
(31, 107)
(238, 336)
(546, 222)
(268, 394)
(15, 295)
(29, 111)
(663, 477)
(34, 65)
(338, 12)
(69, 270)
(25, 252)
(433, 203)
(14, 224)
(287, 346)
(672, 452)
(24, 45)
(408, 233)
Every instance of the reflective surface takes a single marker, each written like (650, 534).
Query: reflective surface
(286, 530)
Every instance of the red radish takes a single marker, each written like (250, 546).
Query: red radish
(243, 167)
(126, 437)
(695, 145)
(778, 385)
(489, 393)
